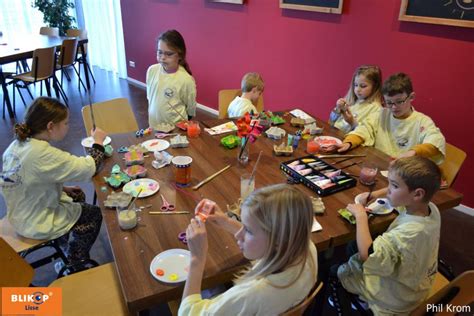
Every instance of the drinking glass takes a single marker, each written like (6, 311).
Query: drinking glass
(368, 173)
(244, 152)
(127, 216)
(193, 129)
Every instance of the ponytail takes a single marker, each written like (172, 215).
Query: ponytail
(42, 111)
(22, 131)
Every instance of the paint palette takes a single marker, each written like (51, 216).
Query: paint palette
(171, 266)
(318, 175)
(146, 186)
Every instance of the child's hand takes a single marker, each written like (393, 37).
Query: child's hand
(341, 148)
(196, 235)
(341, 105)
(72, 189)
(98, 135)
(409, 153)
(348, 116)
(358, 210)
(212, 210)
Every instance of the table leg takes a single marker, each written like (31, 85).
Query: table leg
(5, 93)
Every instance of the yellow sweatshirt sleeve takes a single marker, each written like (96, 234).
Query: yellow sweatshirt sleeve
(355, 140)
(426, 150)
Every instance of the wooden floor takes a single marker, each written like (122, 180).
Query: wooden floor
(457, 233)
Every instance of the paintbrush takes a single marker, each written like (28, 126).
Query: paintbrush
(350, 165)
(168, 213)
(134, 199)
(369, 197)
(338, 156)
(177, 112)
(342, 160)
(92, 111)
(200, 184)
(252, 175)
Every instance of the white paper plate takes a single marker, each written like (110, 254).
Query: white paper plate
(156, 145)
(89, 141)
(327, 138)
(148, 187)
(378, 207)
(174, 263)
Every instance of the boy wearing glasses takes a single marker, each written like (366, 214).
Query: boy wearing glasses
(398, 130)
(252, 87)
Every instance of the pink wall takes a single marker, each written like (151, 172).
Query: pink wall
(307, 58)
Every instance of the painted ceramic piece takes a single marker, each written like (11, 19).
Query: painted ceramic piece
(179, 141)
(230, 141)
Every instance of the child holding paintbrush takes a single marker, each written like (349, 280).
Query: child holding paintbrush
(171, 90)
(39, 206)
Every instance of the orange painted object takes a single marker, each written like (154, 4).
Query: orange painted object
(160, 272)
(193, 129)
(312, 147)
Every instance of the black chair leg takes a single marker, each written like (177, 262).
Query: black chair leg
(67, 75)
(48, 87)
(90, 71)
(21, 96)
(79, 78)
(29, 92)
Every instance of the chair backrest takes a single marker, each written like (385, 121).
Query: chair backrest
(226, 96)
(51, 31)
(68, 52)
(301, 307)
(459, 292)
(453, 162)
(113, 116)
(43, 63)
(15, 270)
(80, 34)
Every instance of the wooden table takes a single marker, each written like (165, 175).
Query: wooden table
(22, 47)
(134, 250)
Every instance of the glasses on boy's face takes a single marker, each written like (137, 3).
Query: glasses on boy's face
(167, 54)
(396, 103)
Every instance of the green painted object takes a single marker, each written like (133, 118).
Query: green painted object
(230, 141)
(117, 177)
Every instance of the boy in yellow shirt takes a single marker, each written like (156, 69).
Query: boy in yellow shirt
(398, 130)
(394, 272)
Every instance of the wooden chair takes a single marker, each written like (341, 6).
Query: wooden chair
(51, 31)
(301, 307)
(226, 96)
(81, 55)
(67, 59)
(91, 292)
(458, 292)
(42, 69)
(113, 116)
(453, 162)
(25, 246)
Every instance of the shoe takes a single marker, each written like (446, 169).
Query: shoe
(58, 266)
(363, 304)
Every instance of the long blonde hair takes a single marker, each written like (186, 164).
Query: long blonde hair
(374, 75)
(286, 215)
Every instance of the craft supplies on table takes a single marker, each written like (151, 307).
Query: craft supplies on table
(223, 128)
(318, 175)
